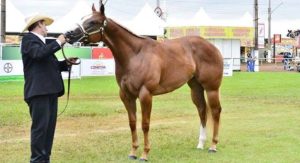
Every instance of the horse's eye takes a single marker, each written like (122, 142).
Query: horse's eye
(92, 23)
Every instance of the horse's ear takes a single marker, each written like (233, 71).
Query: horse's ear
(102, 9)
(93, 8)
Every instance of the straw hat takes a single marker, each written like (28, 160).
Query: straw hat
(35, 18)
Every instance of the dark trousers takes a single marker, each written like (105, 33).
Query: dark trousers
(43, 112)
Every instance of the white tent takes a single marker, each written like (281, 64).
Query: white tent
(244, 21)
(68, 21)
(200, 19)
(146, 22)
(15, 20)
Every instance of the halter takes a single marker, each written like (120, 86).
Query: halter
(85, 34)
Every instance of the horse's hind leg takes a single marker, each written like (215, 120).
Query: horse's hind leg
(130, 105)
(146, 106)
(214, 103)
(197, 93)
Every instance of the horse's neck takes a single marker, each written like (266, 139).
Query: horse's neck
(123, 43)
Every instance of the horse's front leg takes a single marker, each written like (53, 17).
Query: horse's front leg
(146, 106)
(130, 104)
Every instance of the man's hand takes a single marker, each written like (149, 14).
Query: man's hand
(72, 61)
(62, 39)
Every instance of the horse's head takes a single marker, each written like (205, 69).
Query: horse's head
(91, 29)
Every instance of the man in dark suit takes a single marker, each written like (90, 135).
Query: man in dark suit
(43, 84)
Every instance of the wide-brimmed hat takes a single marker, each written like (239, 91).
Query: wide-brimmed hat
(35, 18)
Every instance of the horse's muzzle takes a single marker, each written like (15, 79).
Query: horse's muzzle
(75, 35)
(70, 37)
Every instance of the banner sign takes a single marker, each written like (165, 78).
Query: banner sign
(15, 67)
(14, 53)
(245, 34)
(277, 38)
(11, 67)
(93, 67)
(80, 52)
(228, 64)
(261, 35)
(75, 72)
(11, 53)
(101, 53)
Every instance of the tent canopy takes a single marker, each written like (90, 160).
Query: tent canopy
(146, 22)
(15, 20)
(200, 18)
(68, 21)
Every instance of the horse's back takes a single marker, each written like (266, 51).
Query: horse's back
(200, 49)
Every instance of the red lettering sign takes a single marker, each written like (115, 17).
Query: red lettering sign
(101, 53)
(277, 38)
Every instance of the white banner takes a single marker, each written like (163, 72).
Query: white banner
(11, 67)
(228, 71)
(97, 67)
(261, 35)
(75, 72)
(88, 67)
(15, 67)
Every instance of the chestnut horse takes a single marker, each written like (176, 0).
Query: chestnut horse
(145, 67)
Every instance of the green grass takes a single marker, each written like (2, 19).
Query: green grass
(259, 123)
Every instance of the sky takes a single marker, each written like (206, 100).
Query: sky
(284, 12)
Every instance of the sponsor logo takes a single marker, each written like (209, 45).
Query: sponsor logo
(8, 67)
(98, 66)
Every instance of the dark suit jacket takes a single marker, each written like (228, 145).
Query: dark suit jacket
(42, 70)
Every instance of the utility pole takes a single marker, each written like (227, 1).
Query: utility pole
(2, 21)
(269, 32)
(256, 34)
(256, 25)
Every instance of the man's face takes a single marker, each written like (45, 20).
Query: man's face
(43, 28)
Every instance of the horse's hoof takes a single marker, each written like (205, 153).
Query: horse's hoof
(212, 150)
(143, 160)
(200, 146)
(132, 157)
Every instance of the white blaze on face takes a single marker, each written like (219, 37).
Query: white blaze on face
(202, 137)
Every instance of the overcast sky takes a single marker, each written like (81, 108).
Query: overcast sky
(283, 10)
(286, 9)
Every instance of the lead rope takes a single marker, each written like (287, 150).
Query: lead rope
(69, 78)
(68, 94)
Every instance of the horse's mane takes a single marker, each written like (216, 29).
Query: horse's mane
(126, 29)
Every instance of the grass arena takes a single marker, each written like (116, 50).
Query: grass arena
(259, 122)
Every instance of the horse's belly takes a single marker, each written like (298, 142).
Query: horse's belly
(171, 82)
(174, 77)
(166, 89)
